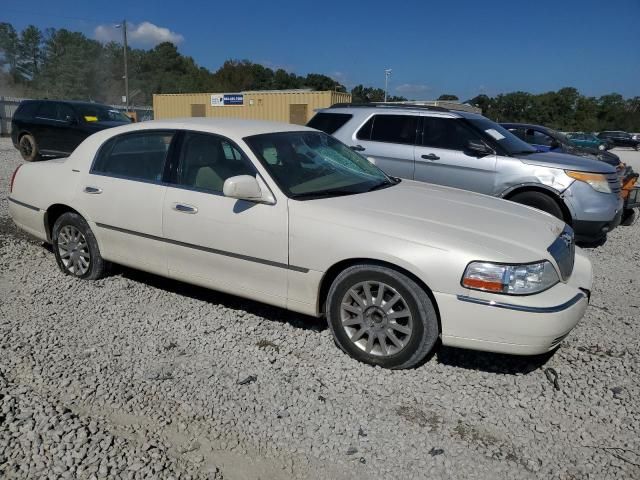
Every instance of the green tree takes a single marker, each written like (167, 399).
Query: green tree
(9, 50)
(29, 53)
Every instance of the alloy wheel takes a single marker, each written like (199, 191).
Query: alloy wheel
(376, 318)
(74, 250)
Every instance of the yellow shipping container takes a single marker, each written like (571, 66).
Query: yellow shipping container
(292, 106)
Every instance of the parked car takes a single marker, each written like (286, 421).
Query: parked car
(547, 139)
(588, 140)
(468, 151)
(620, 139)
(292, 217)
(55, 128)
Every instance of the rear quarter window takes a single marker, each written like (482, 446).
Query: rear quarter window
(329, 122)
(26, 110)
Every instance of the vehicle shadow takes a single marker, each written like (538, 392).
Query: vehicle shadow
(214, 297)
(491, 362)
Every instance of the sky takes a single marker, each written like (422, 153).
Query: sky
(460, 47)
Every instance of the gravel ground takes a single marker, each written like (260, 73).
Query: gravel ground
(135, 376)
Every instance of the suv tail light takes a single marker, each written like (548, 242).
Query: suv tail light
(13, 177)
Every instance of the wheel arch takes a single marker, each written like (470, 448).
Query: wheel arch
(53, 213)
(545, 190)
(332, 272)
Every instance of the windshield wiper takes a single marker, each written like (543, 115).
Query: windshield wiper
(323, 194)
(384, 184)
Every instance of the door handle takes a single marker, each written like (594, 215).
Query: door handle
(183, 208)
(93, 190)
(431, 156)
(357, 148)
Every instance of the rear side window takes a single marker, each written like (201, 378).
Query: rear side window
(448, 133)
(135, 156)
(26, 110)
(390, 129)
(329, 122)
(535, 137)
(48, 110)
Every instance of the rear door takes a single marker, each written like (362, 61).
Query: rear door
(123, 196)
(45, 124)
(442, 157)
(388, 141)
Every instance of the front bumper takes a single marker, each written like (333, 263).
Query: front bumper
(594, 214)
(520, 325)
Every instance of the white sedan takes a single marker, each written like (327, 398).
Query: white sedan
(290, 216)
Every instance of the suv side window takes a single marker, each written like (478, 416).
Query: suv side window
(26, 110)
(65, 112)
(449, 133)
(48, 110)
(206, 161)
(329, 123)
(535, 137)
(390, 129)
(135, 156)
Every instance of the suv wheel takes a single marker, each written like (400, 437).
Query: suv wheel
(76, 248)
(381, 317)
(541, 201)
(28, 148)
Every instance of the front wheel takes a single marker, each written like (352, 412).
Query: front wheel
(76, 248)
(381, 317)
(540, 201)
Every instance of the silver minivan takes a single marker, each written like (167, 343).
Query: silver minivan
(466, 150)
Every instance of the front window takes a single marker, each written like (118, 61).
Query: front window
(309, 165)
(100, 113)
(503, 137)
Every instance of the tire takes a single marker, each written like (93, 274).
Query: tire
(76, 248)
(541, 201)
(363, 326)
(28, 148)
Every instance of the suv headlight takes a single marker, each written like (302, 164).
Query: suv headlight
(597, 181)
(521, 279)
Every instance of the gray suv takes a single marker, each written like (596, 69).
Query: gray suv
(468, 151)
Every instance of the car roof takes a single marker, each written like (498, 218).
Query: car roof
(397, 108)
(71, 102)
(230, 127)
(523, 125)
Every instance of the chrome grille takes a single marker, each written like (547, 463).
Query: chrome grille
(614, 182)
(563, 251)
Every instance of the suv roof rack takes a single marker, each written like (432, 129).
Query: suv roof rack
(391, 105)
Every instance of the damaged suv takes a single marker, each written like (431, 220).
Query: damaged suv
(468, 151)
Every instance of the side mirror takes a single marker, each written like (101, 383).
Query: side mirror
(70, 120)
(245, 187)
(554, 144)
(478, 149)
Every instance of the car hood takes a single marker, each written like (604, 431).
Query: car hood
(440, 217)
(592, 153)
(566, 161)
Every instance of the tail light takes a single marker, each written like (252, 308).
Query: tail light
(13, 177)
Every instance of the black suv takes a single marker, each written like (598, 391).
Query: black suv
(620, 139)
(56, 128)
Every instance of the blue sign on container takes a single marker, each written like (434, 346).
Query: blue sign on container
(235, 99)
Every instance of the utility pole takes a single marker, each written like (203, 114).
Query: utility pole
(387, 74)
(123, 25)
(126, 66)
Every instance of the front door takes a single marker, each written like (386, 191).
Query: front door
(123, 197)
(388, 141)
(220, 242)
(444, 159)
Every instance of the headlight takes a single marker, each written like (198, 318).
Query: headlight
(510, 279)
(597, 181)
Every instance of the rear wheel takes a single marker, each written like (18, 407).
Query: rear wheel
(28, 148)
(381, 317)
(76, 248)
(540, 201)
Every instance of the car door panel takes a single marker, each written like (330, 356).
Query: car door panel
(453, 166)
(230, 245)
(123, 196)
(388, 141)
